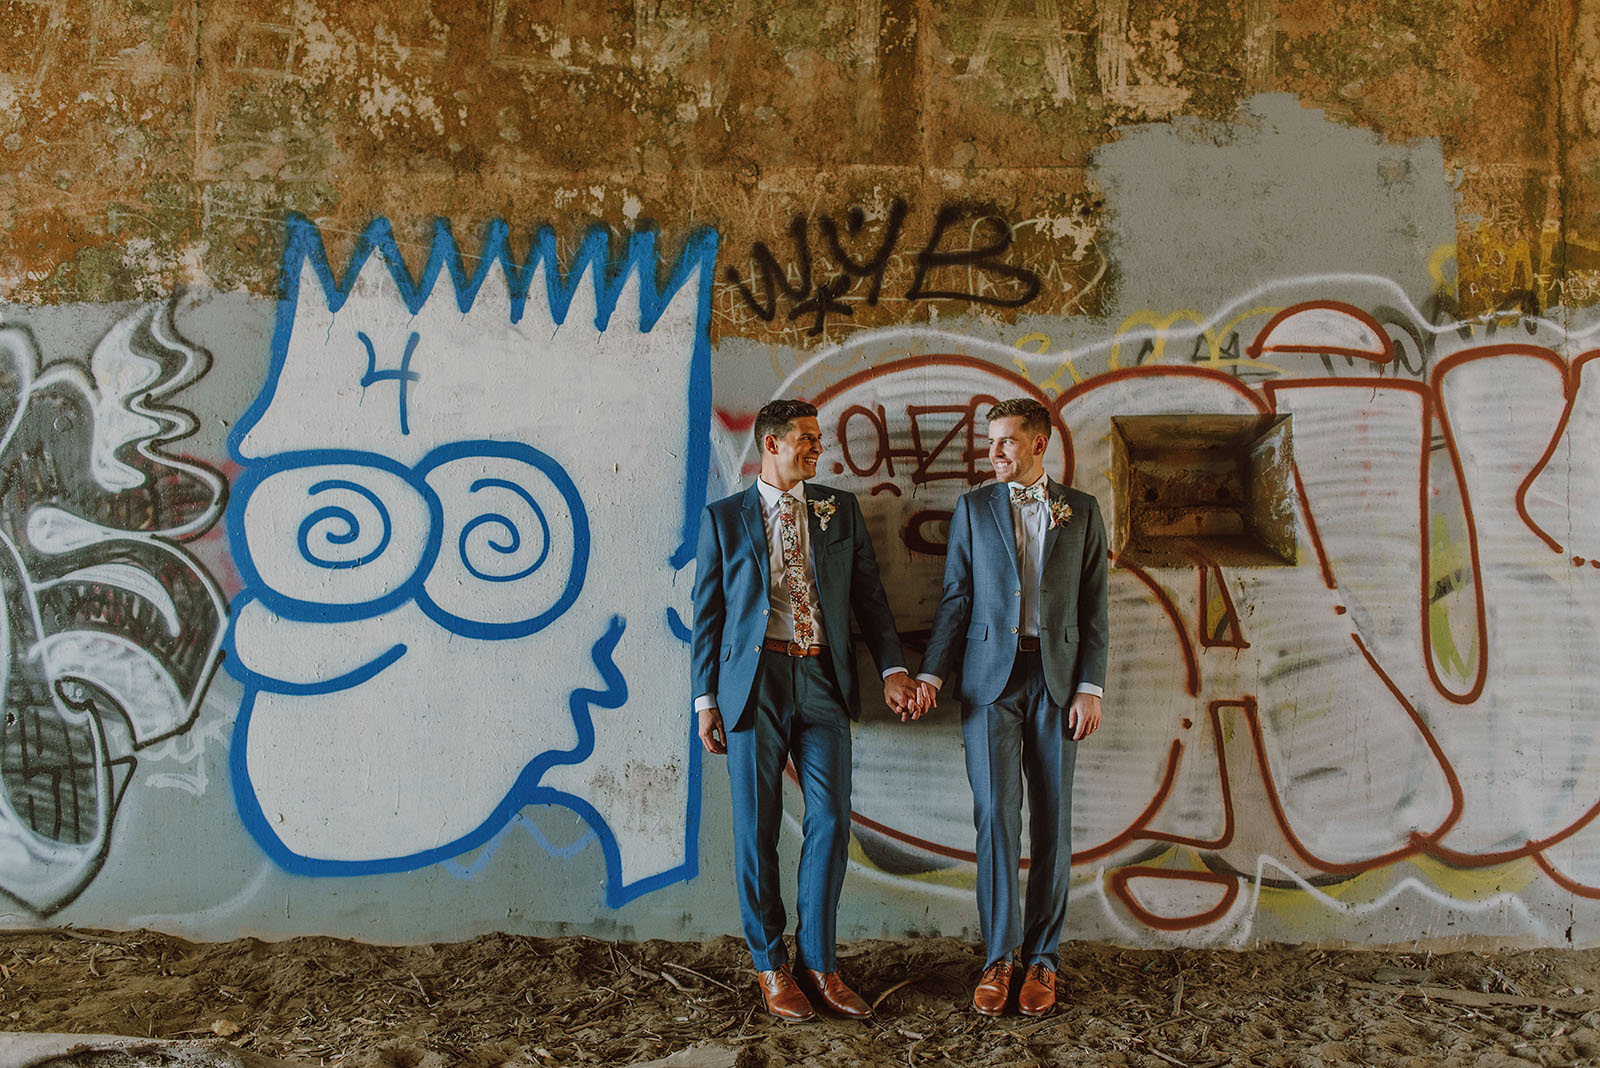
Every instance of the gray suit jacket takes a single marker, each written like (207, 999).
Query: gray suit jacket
(730, 597)
(976, 624)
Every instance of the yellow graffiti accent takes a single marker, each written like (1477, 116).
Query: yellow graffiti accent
(1477, 884)
(1442, 254)
(958, 875)
(1216, 617)
(1043, 342)
(1161, 323)
(1214, 338)
(1051, 385)
(1507, 261)
(1445, 558)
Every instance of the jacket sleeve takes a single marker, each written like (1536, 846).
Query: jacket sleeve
(868, 601)
(710, 609)
(954, 615)
(1094, 636)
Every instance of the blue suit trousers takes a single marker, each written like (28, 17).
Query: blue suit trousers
(797, 712)
(1021, 737)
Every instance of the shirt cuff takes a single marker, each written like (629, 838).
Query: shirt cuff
(705, 701)
(894, 671)
(933, 680)
(1092, 689)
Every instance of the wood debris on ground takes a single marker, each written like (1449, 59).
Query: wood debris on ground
(503, 1000)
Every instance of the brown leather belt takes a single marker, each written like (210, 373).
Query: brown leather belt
(1028, 643)
(778, 645)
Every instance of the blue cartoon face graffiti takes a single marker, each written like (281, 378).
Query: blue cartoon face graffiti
(463, 504)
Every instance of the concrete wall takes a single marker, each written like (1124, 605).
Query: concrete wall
(364, 375)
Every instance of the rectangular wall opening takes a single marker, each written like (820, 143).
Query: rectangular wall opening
(1203, 489)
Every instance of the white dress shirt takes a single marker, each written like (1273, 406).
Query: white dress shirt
(1029, 522)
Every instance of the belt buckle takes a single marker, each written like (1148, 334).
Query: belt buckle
(1028, 643)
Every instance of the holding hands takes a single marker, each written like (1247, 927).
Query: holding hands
(908, 698)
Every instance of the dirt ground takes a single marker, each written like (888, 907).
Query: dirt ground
(509, 1000)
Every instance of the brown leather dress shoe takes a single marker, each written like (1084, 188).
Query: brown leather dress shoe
(989, 997)
(1038, 993)
(783, 995)
(831, 992)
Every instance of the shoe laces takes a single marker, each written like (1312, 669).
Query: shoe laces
(1041, 973)
(1000, 969)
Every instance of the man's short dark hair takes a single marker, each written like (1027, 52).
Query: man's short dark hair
(776, 417)
(1035, 416)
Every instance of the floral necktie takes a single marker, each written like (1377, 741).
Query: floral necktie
(794, 572)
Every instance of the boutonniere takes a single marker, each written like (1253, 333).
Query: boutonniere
(824, 508)
(1060, 512)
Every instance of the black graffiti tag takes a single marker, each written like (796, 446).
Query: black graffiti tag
(990, 239)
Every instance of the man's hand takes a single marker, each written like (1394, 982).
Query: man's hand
(711, 733)
(924, 696)
(900, 694)
(1083, 716)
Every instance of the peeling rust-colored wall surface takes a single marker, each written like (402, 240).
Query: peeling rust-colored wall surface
(157, 144)
(365, 369)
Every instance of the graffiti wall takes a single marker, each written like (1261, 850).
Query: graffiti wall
(357, 601)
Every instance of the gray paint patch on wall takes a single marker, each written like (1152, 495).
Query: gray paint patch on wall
(1200, 213)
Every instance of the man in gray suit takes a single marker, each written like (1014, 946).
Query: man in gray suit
(1024, 618)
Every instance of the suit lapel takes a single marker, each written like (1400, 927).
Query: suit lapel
(818, 537)
(755, 529)
(1052, 531)
(1000, 510)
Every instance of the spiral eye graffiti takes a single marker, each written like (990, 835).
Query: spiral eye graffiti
(334, 536)
(473, 534)
(513, 540)
(338, 527)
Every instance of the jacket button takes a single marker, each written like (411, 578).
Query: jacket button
(1013, 630)
(1019, 593)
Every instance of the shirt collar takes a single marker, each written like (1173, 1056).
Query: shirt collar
(770, 493)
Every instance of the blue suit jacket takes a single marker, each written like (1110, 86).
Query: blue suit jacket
(731, 599)
(975, 626)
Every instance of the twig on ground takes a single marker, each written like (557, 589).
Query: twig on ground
(1474, 998)
(701, 976)
(891, 990)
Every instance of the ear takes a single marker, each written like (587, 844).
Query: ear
(1040, 444)
(769, 443)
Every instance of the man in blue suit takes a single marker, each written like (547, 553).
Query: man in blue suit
(1023, 617)
(781, 566)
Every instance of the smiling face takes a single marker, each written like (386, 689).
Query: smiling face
(1015, 454)
(793, 457)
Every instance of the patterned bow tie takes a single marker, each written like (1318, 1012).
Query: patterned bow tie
(1034, 492)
